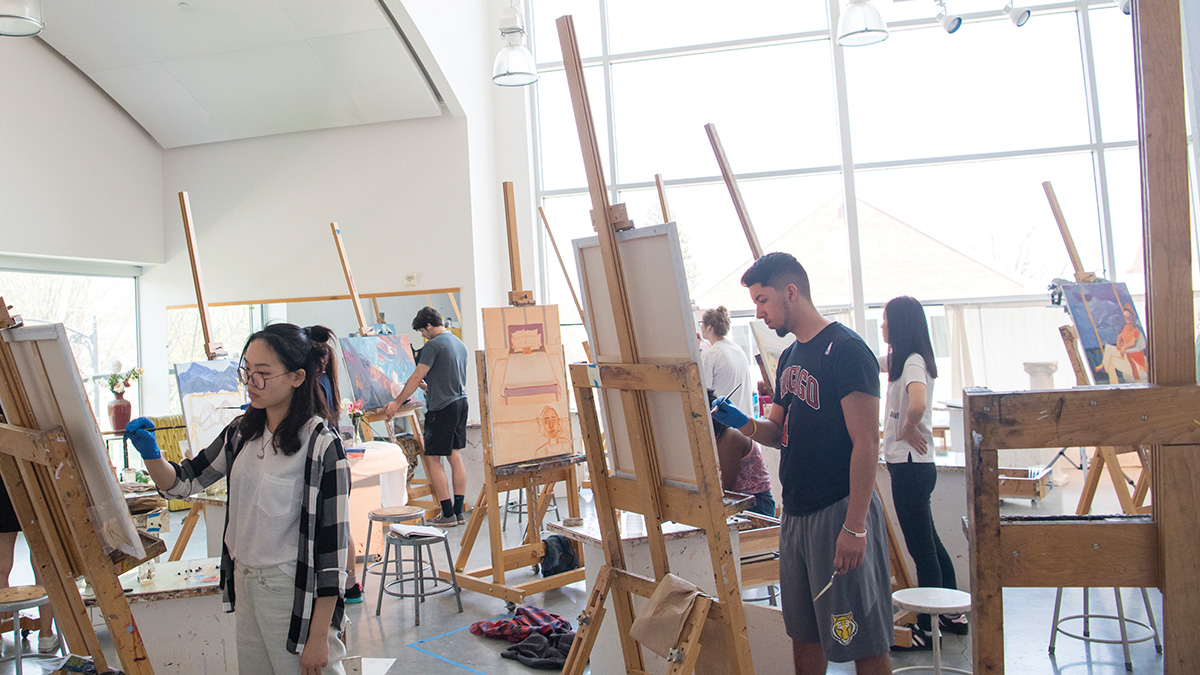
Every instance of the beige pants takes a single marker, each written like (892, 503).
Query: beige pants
(263, 614)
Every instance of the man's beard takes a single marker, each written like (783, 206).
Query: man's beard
(781, 332)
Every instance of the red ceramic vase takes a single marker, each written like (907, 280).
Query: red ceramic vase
(119, 411)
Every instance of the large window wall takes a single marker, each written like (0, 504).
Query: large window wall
(943, 140)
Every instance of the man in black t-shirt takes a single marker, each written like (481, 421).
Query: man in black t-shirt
(825, 419)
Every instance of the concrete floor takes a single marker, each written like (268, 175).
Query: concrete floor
(392, 645)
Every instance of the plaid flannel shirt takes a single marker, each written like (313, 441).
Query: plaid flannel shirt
(323, 539)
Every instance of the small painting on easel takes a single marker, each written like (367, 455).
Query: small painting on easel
(528, 396)
(1109, 330)
(211, 398)
(378, 366)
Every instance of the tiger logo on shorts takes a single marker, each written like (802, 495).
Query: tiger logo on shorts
(844, 627)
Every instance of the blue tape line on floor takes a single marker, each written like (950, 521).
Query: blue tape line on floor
(442, 658)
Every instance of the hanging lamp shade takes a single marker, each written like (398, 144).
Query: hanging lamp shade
(861, 24)
(21, 18)
(514, 66)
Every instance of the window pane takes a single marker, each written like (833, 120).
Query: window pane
(545, 45)
(765, 103)
(1125, 209)
(1112, 47)
(639, 25)
(561, 160)
(974, 229)
(923, 93)
(100, 315)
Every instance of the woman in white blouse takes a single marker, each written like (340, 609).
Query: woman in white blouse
(907, 447)
(286, 534)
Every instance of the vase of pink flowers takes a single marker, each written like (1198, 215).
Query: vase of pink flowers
(355, 410)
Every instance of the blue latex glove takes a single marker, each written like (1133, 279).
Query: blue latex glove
(726, 413)
(140, 432)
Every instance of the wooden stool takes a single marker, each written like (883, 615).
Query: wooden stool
(386, 516)
(933, 601)
(15, 599)
(418, 576)
(1120, 618)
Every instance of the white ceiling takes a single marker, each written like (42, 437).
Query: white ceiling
(201, 71)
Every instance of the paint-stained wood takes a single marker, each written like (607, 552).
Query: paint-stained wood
(983, 544)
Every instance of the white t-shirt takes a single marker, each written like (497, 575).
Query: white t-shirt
(723, 367)
(894, 450)
(264, 505)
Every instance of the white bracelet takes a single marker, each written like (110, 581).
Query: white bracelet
(858, 535)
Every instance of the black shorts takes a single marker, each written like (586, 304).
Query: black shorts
(446, 429)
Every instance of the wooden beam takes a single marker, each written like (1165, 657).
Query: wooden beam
(213, 350)
(518, 296)
(561, 264)
(32, 446)
(1162, 145)
(1082, 276)
(731, 182)
(1102, 553)
(364, 328)
(983, 545)
(1106, 415)
(662, 197)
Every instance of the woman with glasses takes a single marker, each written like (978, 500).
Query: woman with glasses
(288, 492)
(907, 447)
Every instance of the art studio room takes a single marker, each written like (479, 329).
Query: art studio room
(490, 336)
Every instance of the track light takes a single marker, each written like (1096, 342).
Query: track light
(861, 24)
(1017, 15)
(1126, 6)
(950, 22)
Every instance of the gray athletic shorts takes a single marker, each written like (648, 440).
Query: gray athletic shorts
(853, 620)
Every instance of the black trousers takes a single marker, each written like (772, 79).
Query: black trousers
(912, 485)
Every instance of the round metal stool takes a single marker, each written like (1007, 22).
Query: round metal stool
(1122, 623)
(424, 585)
(386, 516)
(933, 601)
(15, 599)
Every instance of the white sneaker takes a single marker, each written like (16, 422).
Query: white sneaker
(49, 645)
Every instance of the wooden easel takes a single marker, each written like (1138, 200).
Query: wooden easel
(1105, 455)
(212, 350)
(537, 478)
(420, 491)
(1126, 551)
(702, 506)
(43, 479)
(901, 577)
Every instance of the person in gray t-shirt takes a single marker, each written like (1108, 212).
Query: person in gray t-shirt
(442, 372)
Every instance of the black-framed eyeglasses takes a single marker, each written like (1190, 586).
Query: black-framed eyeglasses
(256, 380)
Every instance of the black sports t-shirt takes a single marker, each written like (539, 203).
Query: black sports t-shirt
(812, 379)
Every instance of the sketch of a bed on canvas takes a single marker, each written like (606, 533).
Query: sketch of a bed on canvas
(530, 367)
(527, 383)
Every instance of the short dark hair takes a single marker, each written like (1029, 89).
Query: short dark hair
(778, 269)
(428, 316)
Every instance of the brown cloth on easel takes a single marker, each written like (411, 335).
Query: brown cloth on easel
(660, 621)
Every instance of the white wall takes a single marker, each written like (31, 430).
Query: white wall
(261, 208)
(78, 177)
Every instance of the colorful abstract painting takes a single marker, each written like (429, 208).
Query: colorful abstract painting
(377, 367)
(1112, 337)
(211, 397)
(527, 380)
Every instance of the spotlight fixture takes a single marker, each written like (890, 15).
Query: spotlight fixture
(514, 66)
(1017, 15)
(950, 22)
(21, 18)
(861, 24)
(1126, 6)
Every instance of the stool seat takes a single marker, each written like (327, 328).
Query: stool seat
(17, 598)
(397, 514)
(932, 600)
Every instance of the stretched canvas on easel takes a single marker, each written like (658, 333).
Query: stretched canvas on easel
(527, 376)
(377, 367)
(54, 389)
(1110, 332)
(770, 346)
(665, 332)
(211, 397)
